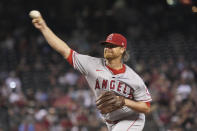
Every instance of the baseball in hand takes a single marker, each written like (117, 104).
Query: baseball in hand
(34, 14)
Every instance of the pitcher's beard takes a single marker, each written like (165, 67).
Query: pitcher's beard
(108, 56)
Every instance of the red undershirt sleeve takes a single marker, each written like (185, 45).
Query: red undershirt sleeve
(70, 58)
(148, 104)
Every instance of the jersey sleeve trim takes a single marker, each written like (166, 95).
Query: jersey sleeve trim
(70, 58)
(73, 57)
(147, 100)
(148, 104)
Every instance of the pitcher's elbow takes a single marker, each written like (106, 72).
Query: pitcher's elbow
(147, 110)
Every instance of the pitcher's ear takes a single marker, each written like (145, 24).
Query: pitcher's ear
(123, 50)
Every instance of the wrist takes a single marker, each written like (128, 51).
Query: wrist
(125, 102)
(44, 28)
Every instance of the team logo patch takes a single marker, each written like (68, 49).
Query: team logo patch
(110, 37)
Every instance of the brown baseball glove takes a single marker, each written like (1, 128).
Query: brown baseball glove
(109, 101)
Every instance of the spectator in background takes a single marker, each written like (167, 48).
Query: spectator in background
(13, 82)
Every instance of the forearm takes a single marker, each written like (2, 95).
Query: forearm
(55, 42)
(137, 106)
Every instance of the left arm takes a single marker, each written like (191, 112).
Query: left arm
(109, 101)
(138, 106)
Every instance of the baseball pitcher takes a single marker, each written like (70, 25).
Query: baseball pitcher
(121, 95)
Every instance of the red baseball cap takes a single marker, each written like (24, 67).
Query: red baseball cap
(116, 39)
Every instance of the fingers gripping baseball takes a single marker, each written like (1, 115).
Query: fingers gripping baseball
(37, 19)
(109, 102)
(39, 23)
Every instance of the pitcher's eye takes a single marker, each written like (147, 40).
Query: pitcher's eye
(111, 46)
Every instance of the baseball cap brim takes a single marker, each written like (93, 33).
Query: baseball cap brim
(105, 42)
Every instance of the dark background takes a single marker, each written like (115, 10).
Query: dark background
(39, 90)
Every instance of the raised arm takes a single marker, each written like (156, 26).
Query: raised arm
(55, 42)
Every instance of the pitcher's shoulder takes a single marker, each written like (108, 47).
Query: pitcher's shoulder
(130, 71)
(87, 57)
(96, 60)
(132, 74)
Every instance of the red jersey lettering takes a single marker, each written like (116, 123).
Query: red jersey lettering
(97, 85)
(119, 86)
(104, 84)
(125, 89)
(112, 84)
(131, 94)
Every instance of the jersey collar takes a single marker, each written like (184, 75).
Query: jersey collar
(115, 72)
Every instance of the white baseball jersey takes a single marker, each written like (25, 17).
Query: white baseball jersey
(100, 78)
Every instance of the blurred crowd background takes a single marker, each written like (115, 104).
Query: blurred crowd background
(40, 91)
